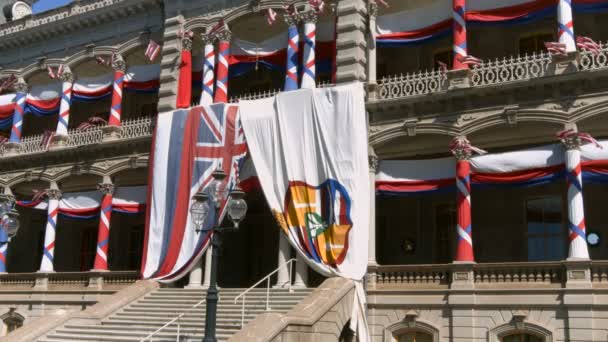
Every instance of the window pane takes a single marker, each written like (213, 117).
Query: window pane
(545, 229)
(415, 337)
(522, 338)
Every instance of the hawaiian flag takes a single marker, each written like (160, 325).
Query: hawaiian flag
(469, 60)
(47, 138)
(189, 145)
(271, 16)
(8, 82)
(152, 50)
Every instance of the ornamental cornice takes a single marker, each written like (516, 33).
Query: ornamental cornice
(52, 20)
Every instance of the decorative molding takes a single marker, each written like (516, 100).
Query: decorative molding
(118, 63)
(53, 194)
(520, 324)
(510, 113)
(106, 188)
(411, 322)
(409, 126)
(186, 43)
(568, 103)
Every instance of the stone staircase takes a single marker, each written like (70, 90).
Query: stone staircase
(135, 321)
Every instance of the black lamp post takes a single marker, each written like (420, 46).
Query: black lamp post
(236, 210)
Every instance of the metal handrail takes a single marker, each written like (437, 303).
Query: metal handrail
(177, 318)
(267, 279)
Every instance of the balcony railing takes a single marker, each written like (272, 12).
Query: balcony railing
(67, 279)
(488, 73)
(484, 275)
(130, 129)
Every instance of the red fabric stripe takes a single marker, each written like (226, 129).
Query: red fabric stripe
(7, 110)
(516, 176)
(148, 200)
(414, 186)
(184, 86)
(426, 31)
(509, 13)
(45, 104)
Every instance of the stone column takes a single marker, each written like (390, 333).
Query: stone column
(208, 71)
(208, 261)
(48, 252)
(459, 29)
(284, 254)
(196, 274)
(221, 83)
(21, 89)
(373, 169)
(351, 41)
(170, 64)
(565, 30)
(372, 63)
(64, 109)
(309, 72)
(4, 239)
(103, 233)
(301, 279)
(293, 47)
(464, 251)
(576, 211)
(113, 129)
(184, 89)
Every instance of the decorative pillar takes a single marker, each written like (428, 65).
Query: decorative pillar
(21, 90)
(184, 87)
(293, 47)
(284, 253)
(459, 29)
(208, 261)
(120, 67)
(103, 232)
(48, 252)
(221, 83)
(208, 71)
(565, 31)
(464, 251)
(196, 275)
(66, 101)
(373, 169)
(576, 211)
(301, 278)
(372, 12)
(4, 237)
(309, 60)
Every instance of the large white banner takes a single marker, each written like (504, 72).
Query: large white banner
(309, 148)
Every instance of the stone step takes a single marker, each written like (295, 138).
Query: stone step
(180, 308)
(198, 323)
(161, 337)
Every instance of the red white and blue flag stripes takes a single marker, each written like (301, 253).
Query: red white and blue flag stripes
(459, 31)
(48, 252)
(18, 117)
(7, 109)
(116, 106)
(565, 31)
(293, 46)
(435, 21)
(189, 145)
(3, 249)
(103, 233)
(221, 83)
(309, 59)
(208, 74)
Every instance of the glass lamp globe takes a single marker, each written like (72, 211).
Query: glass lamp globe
(5, 207)
(199, 210)
(217, 188)
(10, 223)
(238, 207)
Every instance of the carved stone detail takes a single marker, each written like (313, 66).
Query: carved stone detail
(510, 114)
(106, 188)
(118, 63)
(53, 194)
(186, 43)
(309, 16)
(409, 125)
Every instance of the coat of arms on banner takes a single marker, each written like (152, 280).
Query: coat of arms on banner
(319, 220)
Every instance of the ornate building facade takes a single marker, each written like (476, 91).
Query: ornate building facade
(507, 246)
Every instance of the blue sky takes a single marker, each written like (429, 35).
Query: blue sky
(45, 5)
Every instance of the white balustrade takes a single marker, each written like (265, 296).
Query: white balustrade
(511, 69)
(420, 83)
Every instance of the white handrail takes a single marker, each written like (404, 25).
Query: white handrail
(267, 278)
(149, 337)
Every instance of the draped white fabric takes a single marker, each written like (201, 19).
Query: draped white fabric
(143, 73)
(414, 170)
(80, 200)
(7, 99)
(268, 46)
(93, 84)
(130, 195)
(45, 92)
(309, 148)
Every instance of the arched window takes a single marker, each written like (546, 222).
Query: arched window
(522, 337)
(413, 336)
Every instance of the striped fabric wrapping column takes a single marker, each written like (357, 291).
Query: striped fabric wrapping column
(48, 252)
(464, 249)
(208, 71)
(565, 31)
(103, 233)
(293, 41)
(20, 96)
(576, 212)
(66, 101)
(221, 83)
(120, 68)
(310, 33)
(459, 28)
(3, 250)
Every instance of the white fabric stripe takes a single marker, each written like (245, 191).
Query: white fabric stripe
(308, 81)
(459, 51)
(463, 190)
(416, 170)
(46, 265)
(7, 99)
(208, 76)
(45, 92)
(92, 84)
(62, 128)
(102, 254)
(564, 16)
(130, 195)
(464, 235)
(142, 73)
(157, 217)
(266, 47)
